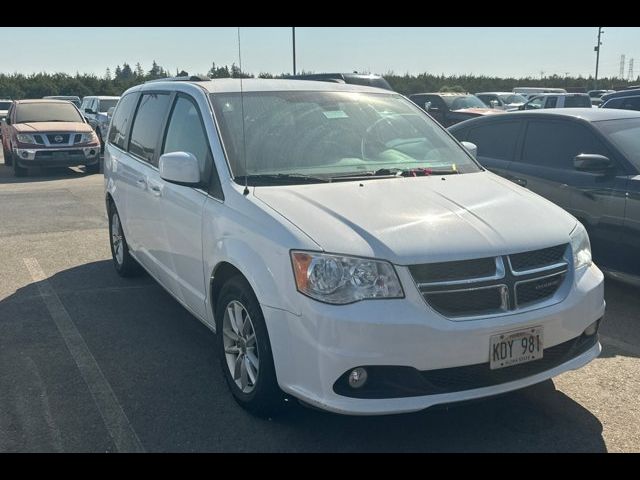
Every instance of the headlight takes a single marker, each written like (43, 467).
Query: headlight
(88, 137)
(581, 247)
(339, 279)
(26, 138)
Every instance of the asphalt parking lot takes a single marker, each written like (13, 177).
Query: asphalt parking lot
(93, 362)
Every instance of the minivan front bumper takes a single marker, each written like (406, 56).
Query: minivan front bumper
(315, 349)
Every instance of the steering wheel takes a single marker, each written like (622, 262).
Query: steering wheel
(382, 146)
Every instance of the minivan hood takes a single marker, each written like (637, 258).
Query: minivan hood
(409, 220)
(77, 127)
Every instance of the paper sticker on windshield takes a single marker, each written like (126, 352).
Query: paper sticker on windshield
(335, 114)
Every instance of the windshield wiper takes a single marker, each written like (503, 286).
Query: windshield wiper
(279, 178)
(395, 172)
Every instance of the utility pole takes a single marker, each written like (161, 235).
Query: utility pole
(622, 59)
(293, 35)
(597, 50)
(630, 75)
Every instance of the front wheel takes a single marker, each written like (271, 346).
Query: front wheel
(245, 350)
(19, 171)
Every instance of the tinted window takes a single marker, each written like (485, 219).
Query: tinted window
(614, 103)
(555, 144)
(497, 140)
(578, 101)
(121, 119)
(147, 124)
(632, 103)
(551, 102)
(105, 104)
(47, 112)
(624, 134)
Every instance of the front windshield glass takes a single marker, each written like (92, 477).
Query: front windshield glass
(463, 101)
(329, 134)
(508, 99)
(624, 134)
(47, 112)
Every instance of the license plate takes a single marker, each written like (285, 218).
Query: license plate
(514, 348)
(58, 155)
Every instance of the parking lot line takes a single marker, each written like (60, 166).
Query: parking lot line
(116, 421)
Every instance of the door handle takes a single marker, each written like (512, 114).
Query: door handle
(156, 190)
(141, 183)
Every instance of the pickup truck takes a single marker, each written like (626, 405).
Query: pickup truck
(451, 108)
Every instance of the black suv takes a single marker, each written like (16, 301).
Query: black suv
(451, 108)
(585, 160)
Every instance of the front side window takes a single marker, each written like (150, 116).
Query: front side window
(577, 101)
(147, 124)
(121, 120)
(47, 112)
(555, 144)
(330, 134)
(551, 102)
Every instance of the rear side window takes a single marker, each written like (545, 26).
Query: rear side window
(148, 124)
(555, 144)
(497, 140)
(631, 103)
(121, 118)
(581, 101)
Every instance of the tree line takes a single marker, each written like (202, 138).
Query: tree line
(37, 85)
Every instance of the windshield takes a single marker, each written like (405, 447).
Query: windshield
(327, 134)
(47, 112)
(624, 134)
(5, 105)
(106, 104)
(509, 99)
(463, 101)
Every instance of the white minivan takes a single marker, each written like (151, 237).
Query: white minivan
(345, 248)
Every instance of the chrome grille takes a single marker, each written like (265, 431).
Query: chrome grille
(493, 285)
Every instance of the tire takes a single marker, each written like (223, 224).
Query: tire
(95, 168)
(125, 264)
(262, 396)
(19, 171)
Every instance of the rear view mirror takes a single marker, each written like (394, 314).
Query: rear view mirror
(592, 162)
(181, 168)
(472, 148)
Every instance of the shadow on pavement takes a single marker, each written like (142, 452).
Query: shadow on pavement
(161, 364)
(38, 174)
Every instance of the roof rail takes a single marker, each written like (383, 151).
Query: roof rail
(186, 78)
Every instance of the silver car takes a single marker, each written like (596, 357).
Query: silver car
(95, 109)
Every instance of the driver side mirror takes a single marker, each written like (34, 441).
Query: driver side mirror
(494, 104)
(88, 110)
(181, 168)
(472, 148)
(592, 162)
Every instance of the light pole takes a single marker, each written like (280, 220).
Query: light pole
(293, 36)
(597, 50)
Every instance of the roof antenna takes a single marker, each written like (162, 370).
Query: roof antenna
(244, 141)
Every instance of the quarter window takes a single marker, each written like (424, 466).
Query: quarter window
(147, 125)
(121, 119)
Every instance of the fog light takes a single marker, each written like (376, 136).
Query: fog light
(25, 154)
(591, 329)
(357, 377)
(92, 152)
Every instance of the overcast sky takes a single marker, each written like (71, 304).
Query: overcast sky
(493, 51)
